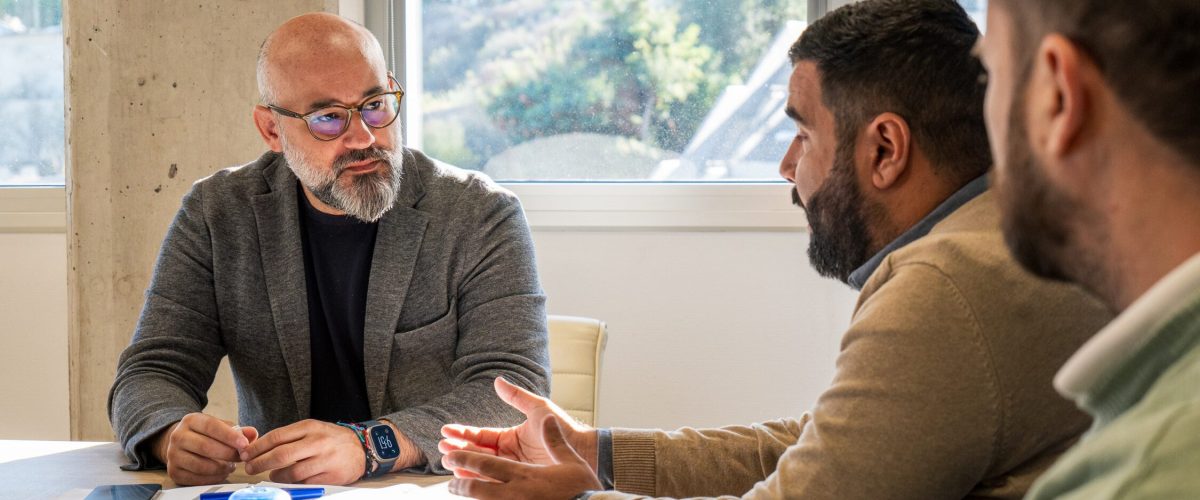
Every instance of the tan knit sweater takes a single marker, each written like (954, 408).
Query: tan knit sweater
(942, 390)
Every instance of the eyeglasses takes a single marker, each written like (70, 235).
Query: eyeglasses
(330, 122)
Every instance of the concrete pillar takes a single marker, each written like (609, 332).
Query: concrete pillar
(159, 94)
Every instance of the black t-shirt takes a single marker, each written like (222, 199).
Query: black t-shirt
(337, 266)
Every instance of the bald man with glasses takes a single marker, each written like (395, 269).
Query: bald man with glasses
(364, 294)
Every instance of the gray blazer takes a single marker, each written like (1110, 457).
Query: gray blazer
(453, 302)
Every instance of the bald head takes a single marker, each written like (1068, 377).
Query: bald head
(309, 46)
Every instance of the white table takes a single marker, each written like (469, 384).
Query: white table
(70, 469)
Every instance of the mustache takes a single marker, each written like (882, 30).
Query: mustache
(359, 155)
(796, 197)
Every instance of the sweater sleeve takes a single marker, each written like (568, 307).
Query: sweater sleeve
(913, 412)
(166, 370)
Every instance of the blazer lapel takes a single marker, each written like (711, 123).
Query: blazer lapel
(282, 255)
(401, 231)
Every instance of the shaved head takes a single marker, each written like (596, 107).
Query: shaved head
(309, 41)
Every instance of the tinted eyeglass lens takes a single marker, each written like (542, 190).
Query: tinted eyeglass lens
(381, 110)
(329, 122)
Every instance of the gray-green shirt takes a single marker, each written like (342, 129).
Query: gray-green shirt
(1138, 378)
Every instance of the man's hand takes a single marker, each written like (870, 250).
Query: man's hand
(522, 443)
(309, 451)
(201, 449)
(486, 477)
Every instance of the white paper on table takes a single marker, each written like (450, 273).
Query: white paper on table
(193, 492)
(438, 491)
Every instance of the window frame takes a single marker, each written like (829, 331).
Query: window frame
(598, 205)
(33, 209)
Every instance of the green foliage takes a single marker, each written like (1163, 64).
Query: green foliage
(446, 141)
(634, 75)
(741, 28)
(515, 70)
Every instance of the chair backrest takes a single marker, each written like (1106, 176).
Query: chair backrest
(576, 349)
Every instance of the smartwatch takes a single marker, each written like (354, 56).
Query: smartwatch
(379, 445)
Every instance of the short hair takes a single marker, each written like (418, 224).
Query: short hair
(1147, 51)
(910, 57)
(266, 92)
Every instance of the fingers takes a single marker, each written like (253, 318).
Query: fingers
(476, 488)
(216, 429)
(556, 444)
(483, 437)
(250, 433)
(516, 397)
(500, 469)
(279, 457)
(448, 445)
(301, 472)
(274, 439)
(188, 468)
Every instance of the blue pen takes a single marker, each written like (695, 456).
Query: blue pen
(296, 494)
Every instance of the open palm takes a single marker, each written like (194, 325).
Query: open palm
(523, 442)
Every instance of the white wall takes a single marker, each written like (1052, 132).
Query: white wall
(33, 336)
(706, 328)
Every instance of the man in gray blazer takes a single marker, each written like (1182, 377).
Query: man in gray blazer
(364, 294)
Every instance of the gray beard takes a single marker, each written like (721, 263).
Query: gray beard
(366, 197)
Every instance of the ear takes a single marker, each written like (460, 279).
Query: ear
(888, 141)
(268, 127)
(1058, 101)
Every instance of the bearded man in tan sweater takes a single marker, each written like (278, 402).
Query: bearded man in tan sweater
(943, 384)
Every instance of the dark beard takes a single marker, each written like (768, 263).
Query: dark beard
(1037, 219)
(1034, 214)
(838, 218)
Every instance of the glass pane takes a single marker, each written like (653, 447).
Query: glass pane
(32, 149)
(664, 90)
(978, 11)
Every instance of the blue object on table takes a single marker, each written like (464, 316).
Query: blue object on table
(265, 493)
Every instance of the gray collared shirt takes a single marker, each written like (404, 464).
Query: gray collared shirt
(859, 277)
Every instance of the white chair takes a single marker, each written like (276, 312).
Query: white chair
(576, 349)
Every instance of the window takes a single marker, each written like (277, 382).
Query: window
(32, 151)
(977, 10)
(615, 90)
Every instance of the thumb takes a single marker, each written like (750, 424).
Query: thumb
(524, 401)
(250, 433)
(556, 444)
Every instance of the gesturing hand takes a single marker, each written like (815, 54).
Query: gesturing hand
(487, 477)
(202, 449)
(522, 443)
(309, 451)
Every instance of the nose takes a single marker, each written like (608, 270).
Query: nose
(790, 161)
(358, 135)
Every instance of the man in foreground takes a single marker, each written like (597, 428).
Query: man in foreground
(1092, 109)
(364, 294)
(942, 387)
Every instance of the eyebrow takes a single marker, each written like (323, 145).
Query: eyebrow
(329, 102)
(793, 114)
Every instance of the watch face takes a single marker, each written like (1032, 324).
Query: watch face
(385, 442)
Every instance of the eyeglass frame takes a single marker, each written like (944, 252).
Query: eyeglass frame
(399, 93)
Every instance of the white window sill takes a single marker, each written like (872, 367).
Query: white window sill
(648, 206)
(41, 209)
